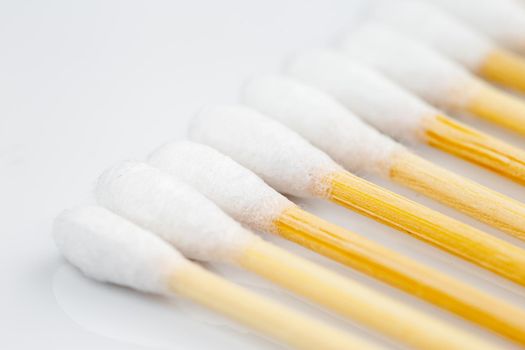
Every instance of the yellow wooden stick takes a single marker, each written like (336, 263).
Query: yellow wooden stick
(460, 193)
(350, 299)
(479, 148)
(243, 195)
(261, 314)
(398, 271)
(428, 225)
(109, 248)
(505, 68)
(497, 107)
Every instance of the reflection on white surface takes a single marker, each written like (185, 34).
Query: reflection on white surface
(146, 320)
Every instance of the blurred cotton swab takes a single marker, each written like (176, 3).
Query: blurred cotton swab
(403, 116)
(244, 196)
(432, 76)
(108, 248)
(291, 165)
(502, 20)
(182, 216)
(361, 149)
(450, 37)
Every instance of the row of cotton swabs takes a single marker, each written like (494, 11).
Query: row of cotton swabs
(297, 134)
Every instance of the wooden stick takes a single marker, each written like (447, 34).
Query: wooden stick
(498, 107)
(261, 314)
(460, 193)
(351, 299)
(398, 271)
(481, 149)
(505, 68)
(429, 226)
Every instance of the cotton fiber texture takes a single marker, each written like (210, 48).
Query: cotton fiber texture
(416, 67)
(501, 20)
(323, 121)
(173, 210)
(235, 189)
(434, 27)
(282, 158)
(371, 96)
(108, 248)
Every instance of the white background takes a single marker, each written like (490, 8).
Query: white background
(84, 84)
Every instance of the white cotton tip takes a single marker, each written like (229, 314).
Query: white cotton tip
(412, 65)
(232, 187)
(173, 210)
(323, 121)
(108, 248)
(501, 20)
(282, 158)
(382, 104)
(436, 28)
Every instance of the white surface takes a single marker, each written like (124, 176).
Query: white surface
(87, 84)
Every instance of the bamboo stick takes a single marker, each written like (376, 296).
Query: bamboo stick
(350, 299)
(108, 248)
(240, 193)
(505, 68)
(455, 138)
(359, 253)
(497, 107)
(260, 314)
(460, 193)
(429, 226)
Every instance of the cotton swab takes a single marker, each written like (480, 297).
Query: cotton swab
(435, 28)
(403, 116)
(291, 165)
(245, 197)
(430, 75)
(108, 248)
(502, 20)
(361, 149)
(182, 216)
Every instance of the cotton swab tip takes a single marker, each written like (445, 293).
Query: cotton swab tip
(278, 155)
(412, 65)
(437, 29)
(375, 99)
(235, 189)
(109, 248)
(168, 207)
(501, 20)
(323, 121)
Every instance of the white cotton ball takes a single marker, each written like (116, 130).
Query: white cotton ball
(502, 20)
(437, 29)
(323, 121)
(235, 189)
(173, 210)
(282, 158)
(412, 65)
(109, 248)
(371, 96)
